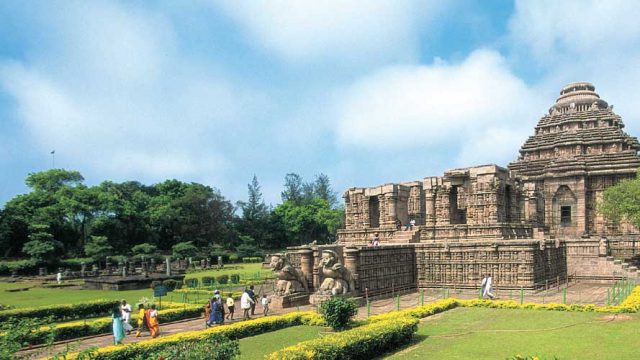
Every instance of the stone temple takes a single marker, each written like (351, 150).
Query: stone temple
(529, 225)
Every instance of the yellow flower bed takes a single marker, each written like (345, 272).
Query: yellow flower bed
(364, 341)
(234, 331)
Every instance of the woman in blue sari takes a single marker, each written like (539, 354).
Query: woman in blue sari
(118, 328)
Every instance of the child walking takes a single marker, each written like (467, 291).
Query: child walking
(265, 304)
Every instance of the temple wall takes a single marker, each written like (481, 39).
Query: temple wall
(385, 270)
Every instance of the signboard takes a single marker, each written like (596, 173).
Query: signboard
(160, 290)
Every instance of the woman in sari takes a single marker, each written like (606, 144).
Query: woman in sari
(118, 328)
(151, 316)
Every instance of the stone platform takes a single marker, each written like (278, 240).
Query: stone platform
(289, 301)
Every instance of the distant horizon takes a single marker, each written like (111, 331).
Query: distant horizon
(366, 93)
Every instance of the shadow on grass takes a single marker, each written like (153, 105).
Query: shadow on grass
(415, 341)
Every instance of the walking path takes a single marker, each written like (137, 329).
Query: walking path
(575, 294)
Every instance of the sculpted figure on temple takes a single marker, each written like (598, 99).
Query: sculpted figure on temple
(290, 279)
(337, 279)
(603, 247)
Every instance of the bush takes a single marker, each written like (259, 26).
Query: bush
(338, 311)
(191, 283)
(62, 312)
(222, 279)
(212, 347)
(234, 257)
(23, 267)
(76, 263)
(252, 259)
(235, 278)
(172, 284)
(367, 341)
(208, 280)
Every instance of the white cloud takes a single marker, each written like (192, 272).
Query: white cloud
(362, 31)
(595, 41)
(116, 96)
(474, 108)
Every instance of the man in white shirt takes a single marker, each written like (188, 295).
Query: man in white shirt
(126, 316)
(245, 304)
(487, 283)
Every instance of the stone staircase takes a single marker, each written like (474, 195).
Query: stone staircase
(405, 236)
(623, 268)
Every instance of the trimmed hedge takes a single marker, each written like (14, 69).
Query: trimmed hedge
(222, 279)
(363, 342)
(234, 331)
(63, 311)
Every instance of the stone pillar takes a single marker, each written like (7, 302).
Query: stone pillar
(83, 269)
(306, 265)
(316, 270)
(168, 264)
(153, 265)
(389, 221)
(351, 263)
(430, 209)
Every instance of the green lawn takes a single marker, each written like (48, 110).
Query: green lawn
(37, 296)
(251, 270)
(256, 347)
(477, 333)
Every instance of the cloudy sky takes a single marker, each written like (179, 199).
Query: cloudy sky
(367, 92)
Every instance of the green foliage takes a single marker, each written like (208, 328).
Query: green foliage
(338, 311)
(17, 332)
(62, 312)
(212, 347)
(42, 246)
(98, 248)
(222, 279)
(252, 259)
(312, 220)
(184, 250)
(54, 179)
(191, 283)
(172, 284)
(208, 280)
(23, 267)
(144, 249)
(622, 201)
(235, 278)
(364, 342)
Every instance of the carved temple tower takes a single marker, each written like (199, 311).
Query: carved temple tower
(578, 150)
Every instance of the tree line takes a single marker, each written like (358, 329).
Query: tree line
(61, 216)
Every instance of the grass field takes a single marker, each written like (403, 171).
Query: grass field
(37, 296)
(256, 347)
(252, 270)
(477, 333)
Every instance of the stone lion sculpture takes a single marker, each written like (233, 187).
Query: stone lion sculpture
(290, 279)
(337, 279)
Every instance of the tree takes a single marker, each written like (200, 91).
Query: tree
(98, 248)
(144, 249)
(184, 250)
(622, 201)
(322, 189)
(41, 245)
(312, 220)
(255, 207)
(53, 180)
(293, 190)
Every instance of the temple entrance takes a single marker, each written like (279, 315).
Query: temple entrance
(456, 215)
(374, 212)
(564, 212)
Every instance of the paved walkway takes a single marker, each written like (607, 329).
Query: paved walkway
(576, 294)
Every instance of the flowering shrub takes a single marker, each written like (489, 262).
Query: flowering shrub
(234, 331)
(62, 311)
(338, 312)
(358, 343)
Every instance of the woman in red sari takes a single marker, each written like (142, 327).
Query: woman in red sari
(151, 316)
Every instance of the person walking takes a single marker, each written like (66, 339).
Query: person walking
(231, 305)
(125, 309)
(118, 329)
(245, 304)
(152, 321)
(265, 305)
(142, 320)
(253, 298)
(487, 284)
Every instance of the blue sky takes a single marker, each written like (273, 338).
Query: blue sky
(367, 92)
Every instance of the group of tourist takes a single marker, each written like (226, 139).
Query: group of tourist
(215, 308)
(147, 320)
(407, 226)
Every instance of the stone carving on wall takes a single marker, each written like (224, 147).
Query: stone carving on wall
(603, 247)
(338, 280)
(290, 280)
